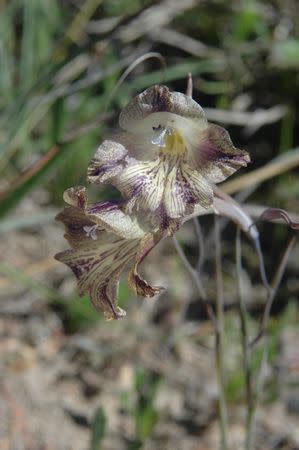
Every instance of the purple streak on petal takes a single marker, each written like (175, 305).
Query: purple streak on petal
(166, 223)
(108, 161)
(106, 206)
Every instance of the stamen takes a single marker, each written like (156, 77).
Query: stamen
(91, 231)
(174, 143)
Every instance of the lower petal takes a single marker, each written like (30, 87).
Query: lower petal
(97, 266)
(135, 281)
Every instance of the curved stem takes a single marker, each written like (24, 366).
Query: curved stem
(201, 245)
(194, 276)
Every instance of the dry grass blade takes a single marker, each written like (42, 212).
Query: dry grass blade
(75, 29)
(132, 66)
(10, 197)
(252, 120)
(201, 244)
(31, 172)
(183, 42)
(277, 166)
(153, 18)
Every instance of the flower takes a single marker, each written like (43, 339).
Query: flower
(104, 240)
(165, 162)
(167, 156)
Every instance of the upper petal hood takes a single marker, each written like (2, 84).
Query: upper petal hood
(158, 99)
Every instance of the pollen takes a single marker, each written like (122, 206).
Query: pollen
(174, 144)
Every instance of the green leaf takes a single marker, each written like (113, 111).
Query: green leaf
(27, 63)
(98, 428)
(146, 421)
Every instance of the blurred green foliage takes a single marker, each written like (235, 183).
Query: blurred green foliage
(98, 429)
(140, 404)
(235, 387)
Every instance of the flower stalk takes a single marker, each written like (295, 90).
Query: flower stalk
(246, 350)
(219, 341)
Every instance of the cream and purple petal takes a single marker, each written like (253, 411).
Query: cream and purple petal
(214, 154)
(108, 161)
(103, 242)
(155, 100)
(185, 188)
(112, 217)
(138, 284)
(143, 184)
(97, 259)
(105, 215)
(97, 264)
(167, 182)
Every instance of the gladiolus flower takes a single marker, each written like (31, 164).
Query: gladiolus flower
(167, 156)
(165, 162)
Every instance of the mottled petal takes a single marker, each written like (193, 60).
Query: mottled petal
(143, 184)
(158, 99)
(112, 217)
(138, 145)
(97, 266)
(166, 186)
(185, 188)
(107, 298)
(104, 215)
(80, 229)
(215, 155)
(107, 162)
(135, 281)
(97, 258)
